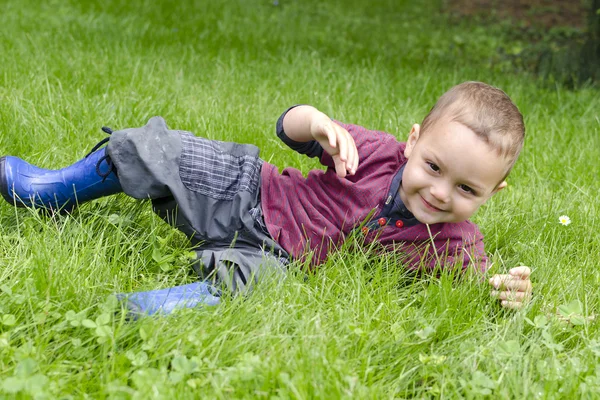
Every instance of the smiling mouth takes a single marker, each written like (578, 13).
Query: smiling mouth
(430, 206)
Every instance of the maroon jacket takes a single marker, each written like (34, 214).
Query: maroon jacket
(314, 214)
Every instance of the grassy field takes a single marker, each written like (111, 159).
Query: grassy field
(357, 328)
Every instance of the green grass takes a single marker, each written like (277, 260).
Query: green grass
(360, 327)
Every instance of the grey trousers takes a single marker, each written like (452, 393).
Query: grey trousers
(210, 190)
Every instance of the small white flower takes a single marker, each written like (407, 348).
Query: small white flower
(564, 219)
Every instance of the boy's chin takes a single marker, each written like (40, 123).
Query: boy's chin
(429, 221)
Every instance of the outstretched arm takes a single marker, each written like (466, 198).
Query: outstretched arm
(305, 123)
(512, 289)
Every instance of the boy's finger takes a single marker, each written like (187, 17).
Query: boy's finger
(497, 280)
(510, 295)
(513, 305)
(517, 284)
(340, 167)
(352, 155)
(521, 271)
(331, 135)
(509, 282)
(342, 144)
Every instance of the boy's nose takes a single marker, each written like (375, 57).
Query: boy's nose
(440, 192)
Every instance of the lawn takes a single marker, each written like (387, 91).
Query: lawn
(360, 326)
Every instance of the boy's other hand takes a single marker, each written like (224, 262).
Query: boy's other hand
(512, 289)
(337, 142)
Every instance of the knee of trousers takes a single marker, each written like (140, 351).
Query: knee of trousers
(146, 158)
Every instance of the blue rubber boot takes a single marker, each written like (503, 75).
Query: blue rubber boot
(26, 185)
(165, 301)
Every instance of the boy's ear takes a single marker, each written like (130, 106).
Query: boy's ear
(501, 186)
(413, 136)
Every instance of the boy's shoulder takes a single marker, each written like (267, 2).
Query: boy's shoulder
(380, 140)
(362, 130)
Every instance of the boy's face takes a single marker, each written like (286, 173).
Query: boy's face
(450, 173)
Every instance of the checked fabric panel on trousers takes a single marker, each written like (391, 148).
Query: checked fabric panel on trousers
(208, 170)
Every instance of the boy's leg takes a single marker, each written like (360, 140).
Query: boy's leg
(238, 268)
(207, 189)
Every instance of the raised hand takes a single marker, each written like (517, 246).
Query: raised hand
(305, 123)
(337, 142)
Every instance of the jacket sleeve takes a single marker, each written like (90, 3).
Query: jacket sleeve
(311, 149)
(367, 141)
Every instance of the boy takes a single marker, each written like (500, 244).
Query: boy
(248, 219)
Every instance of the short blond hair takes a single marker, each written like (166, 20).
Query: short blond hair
(488, 112)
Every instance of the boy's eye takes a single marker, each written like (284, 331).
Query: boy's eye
(467, 189)
(433, 167)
